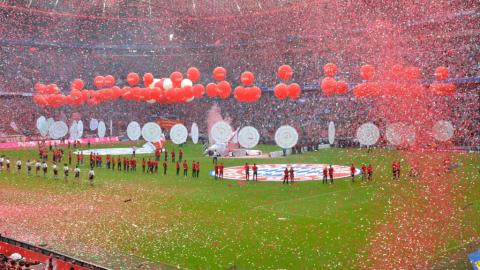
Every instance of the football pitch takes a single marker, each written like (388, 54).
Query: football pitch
(127, 219)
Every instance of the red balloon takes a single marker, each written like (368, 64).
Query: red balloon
(93, 102)
(127, 93)
(147, 79)
(360, 90)
(56, 100)
(367, 72)
(198, 90)
(397, 71)
(155, 93)
(342, 87)
(281, 91)
(193, 74)
(441, 73)
(224, 89)
(52, 89)
(170, 94)
(285, 72)
(133, 78)
(68, 100)
(256, 93)
(99, 82)
(330, 70)
(109, 81)
(328, 86)
(178, 94)
(41, 88)
(219, 74)
(76, 95)
(294, 91)
(145, 94)
(39, 99)
(211, 90)
(443, 89)
(117, 92)
(239, 93)
(176, 78)
(413, 73)
(78, 84)
(247, 78)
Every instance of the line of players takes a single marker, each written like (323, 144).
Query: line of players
(148, 165)
(43, 166)
(289, 173)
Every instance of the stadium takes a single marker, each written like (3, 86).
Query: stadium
(242, 134)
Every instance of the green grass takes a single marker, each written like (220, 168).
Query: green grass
(207, 224)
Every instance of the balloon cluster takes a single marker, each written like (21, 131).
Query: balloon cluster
(283, 91)
(174, 89)
(222, 88)
(398, 81)
(329, 85)
(440, 88)
(248, 93)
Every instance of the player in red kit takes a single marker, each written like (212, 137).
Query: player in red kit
(352, 172)
(255, 172)
(364, 172)
(292, 174)
(220, 171)
(370, 172)
(177, 167)
(330, 173)
(286, 174)
(247, 172)
(398, 170)
(164, 167)
(394, 169)
(325, 175)
(180, 154)
(185, 168)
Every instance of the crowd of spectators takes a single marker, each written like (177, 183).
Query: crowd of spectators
(55, 48)
(42, 42)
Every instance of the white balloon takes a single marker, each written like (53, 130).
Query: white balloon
(40, 121)
(134, 131)
(186, 82)
(400, 133)
(368, 134)
(151, 132)
(443, 130)
(248, 137)
(194, 133)
(93, 124)
(221, 131)
(331, 132)
(58, 130)
(167, 84)
(286, 137)
(101, 129)
(178, 134)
